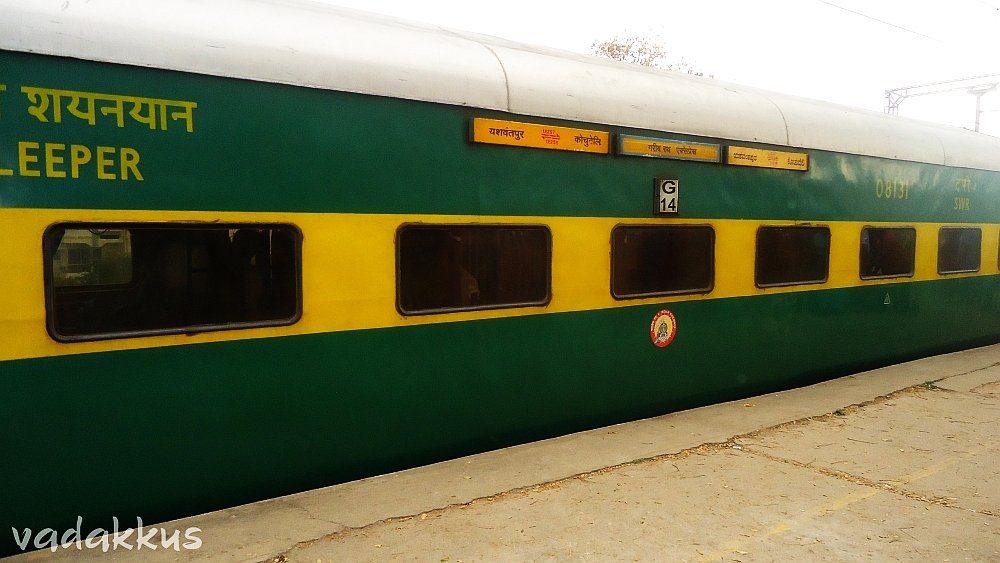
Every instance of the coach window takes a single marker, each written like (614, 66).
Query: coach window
(887, 252)
(139, 279)
(651, 260)
(792, 256)
(959, 250)
(448, 268)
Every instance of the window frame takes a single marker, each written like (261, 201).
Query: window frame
(756, 261)
(446, 226)
(48, 252)
(979, 261)
(698, 291)
(913, 259)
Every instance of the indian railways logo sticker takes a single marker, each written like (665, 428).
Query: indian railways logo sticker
(663, 329)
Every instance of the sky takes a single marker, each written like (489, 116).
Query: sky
(843, 51)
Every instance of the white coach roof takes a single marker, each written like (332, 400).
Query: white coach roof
(316, 45)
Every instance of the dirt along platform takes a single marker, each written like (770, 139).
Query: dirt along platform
(896, 464)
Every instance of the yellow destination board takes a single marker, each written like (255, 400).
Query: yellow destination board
(667, 148)
(499, 132)
(766, 158)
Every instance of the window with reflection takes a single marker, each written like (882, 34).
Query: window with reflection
(650, 260)
(792, 255)
(887, 252)
(448, 268)
(121, 280)
(959, 250)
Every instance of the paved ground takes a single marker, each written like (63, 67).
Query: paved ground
(898, 464)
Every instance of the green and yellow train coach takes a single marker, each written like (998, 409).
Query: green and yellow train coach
(252, 248)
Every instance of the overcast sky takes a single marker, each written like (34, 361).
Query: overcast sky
(844, 51)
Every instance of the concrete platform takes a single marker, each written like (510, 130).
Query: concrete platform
(896, 464)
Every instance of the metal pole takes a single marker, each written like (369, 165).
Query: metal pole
(978, 92)
(979, 100)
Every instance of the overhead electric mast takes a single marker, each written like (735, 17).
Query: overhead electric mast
(975, 85)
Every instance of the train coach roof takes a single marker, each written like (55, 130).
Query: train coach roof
(316, 45)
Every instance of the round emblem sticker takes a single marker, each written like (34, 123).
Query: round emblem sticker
(663, 328)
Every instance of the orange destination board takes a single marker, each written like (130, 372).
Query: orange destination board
(767, 158)
(537, 136)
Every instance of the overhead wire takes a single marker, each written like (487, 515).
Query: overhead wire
(883, 22)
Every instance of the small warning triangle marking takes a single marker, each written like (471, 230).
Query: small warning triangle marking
(887, 301)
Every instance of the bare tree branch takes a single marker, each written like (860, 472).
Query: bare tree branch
(633, 49)
(641, 50)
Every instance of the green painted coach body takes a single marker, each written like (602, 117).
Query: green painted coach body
(143, 426)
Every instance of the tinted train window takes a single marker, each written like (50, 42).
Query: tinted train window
(959, 250)
(445, 268)
(114, 281)
(887, 252)
(659, 260)
(792, 255)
